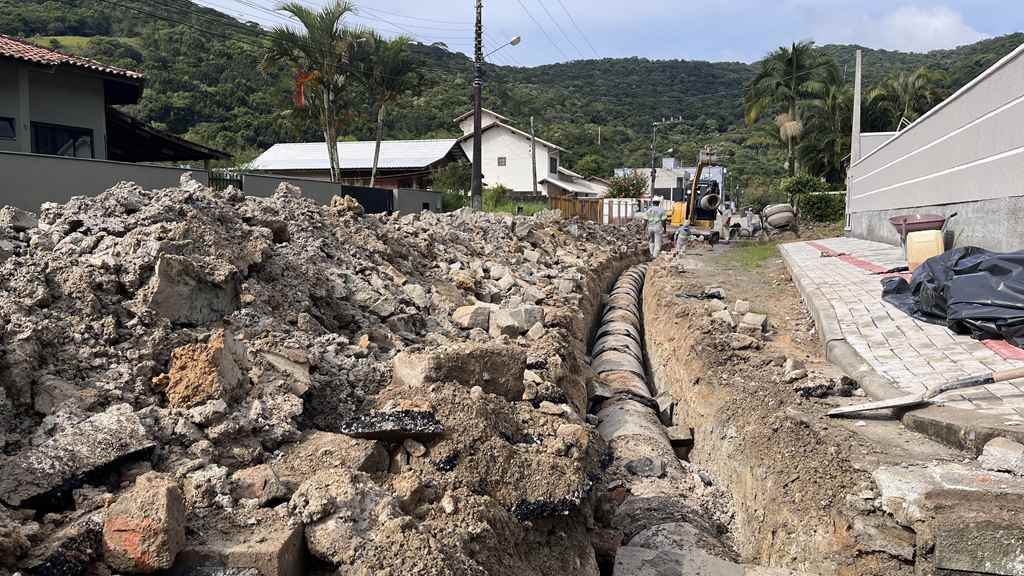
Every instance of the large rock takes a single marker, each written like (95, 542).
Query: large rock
(265, 544)
(203, 372)
(71, 551)
(13, 542)
(190, 293)
(316, 451)
(44, 475)
(496, 368)
(513, 322)
(1003, 455)
(17, 219)
(475, 316)
(144, 529)
(340, 512)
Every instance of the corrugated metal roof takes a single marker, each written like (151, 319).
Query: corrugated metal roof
(514, 130)
(354, 155)
(27, 52)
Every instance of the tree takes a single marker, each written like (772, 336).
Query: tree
(590, 165)
(787, 78)
(632, 184)
(828, 123)
(796, 186)
(319, 55)
(905, 97)
(388, 70)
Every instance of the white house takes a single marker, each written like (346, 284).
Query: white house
(569, 183)
(506, 156)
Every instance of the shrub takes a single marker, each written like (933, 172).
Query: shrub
(758, 199)
(453, 201)
(796, 186)
(819, 207)
(494, 196)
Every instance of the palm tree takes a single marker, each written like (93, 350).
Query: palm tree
(788, 77)
(904, 97)
(388, 71)
(828, 123)
(319, 55)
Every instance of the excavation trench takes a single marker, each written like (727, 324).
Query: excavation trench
(711, 470)
(658, 509)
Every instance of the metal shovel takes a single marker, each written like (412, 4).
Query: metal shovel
(926, 396)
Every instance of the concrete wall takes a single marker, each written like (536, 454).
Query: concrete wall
(871, 141)
(264, 185)
(28, 180)
(517, 174)
(412, 201)
(996, 224)
(69, 98)
(966, 155)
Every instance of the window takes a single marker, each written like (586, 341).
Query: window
(62, 140)
(502, 161)
(426, 206)
(7, 131)
(553, 165)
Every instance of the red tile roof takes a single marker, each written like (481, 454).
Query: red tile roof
(20, 50)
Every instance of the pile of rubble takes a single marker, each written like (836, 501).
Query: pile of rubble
(193, 380)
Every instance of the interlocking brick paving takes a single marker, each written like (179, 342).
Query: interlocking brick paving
(910, 353)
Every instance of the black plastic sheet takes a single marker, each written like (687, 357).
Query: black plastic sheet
(970, 290)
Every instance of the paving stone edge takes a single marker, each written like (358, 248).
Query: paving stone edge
(963, 429)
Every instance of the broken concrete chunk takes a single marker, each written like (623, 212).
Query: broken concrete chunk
(203, 372)
(43, 476)
(754, 321)
(740, 308)
(340, 512)
(715, 306)
(726, 317)
(881, 534)
(298, 372)
(497, 368)
(267, 546)
(393, 426)
(418, 294)
(476, 316)
(535, 333)
(72, 551)
(515, 321)
(1003, 455)
(17, 219)
(192, 295)
(144, 530)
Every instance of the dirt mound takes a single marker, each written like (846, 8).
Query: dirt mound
(226, 326)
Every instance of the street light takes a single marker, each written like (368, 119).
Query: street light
(476, 194)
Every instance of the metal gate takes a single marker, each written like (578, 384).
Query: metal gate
(373, 200)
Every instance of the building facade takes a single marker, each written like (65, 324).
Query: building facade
(508, 158)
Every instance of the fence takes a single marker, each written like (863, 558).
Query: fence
(612, 211)
(29, 180)
(373, 200)
(220, 180)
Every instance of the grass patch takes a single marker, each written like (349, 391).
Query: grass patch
(752, 255)
(529, 208)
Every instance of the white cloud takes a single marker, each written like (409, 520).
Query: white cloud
(908, 28)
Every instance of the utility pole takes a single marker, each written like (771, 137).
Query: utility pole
(476, 190)
(533, 155)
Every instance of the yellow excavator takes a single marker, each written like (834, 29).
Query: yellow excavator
(701, 209)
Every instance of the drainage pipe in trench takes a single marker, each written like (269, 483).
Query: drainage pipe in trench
(644, 511)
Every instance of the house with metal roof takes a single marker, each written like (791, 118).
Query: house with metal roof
(570, 184)
(403, 164)
(58, 104)
(508, 154)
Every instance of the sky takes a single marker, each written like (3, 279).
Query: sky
(720, 30)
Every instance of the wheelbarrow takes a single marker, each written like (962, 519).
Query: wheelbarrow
(917, 223)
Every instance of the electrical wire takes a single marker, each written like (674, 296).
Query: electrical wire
(578, 29)
(542, 29)
(559, 26)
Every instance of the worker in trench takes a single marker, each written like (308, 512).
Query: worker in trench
(655, 217)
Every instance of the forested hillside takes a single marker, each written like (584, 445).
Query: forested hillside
(204, 82)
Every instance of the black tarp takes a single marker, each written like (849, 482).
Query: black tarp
(970, 290)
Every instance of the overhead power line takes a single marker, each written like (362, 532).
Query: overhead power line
(578, 29)
(542, 29)
(559, 26)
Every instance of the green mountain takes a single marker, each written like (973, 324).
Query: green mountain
(204, 83)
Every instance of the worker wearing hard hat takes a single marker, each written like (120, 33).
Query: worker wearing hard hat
(655, 217)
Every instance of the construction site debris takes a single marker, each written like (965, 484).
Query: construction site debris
(1003, 455)
(144, 529)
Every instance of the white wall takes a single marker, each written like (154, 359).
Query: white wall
(967, 149)
(486, 118)
(871, 141)
(517, 174)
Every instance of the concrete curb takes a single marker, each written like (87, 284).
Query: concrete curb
(962, 429)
